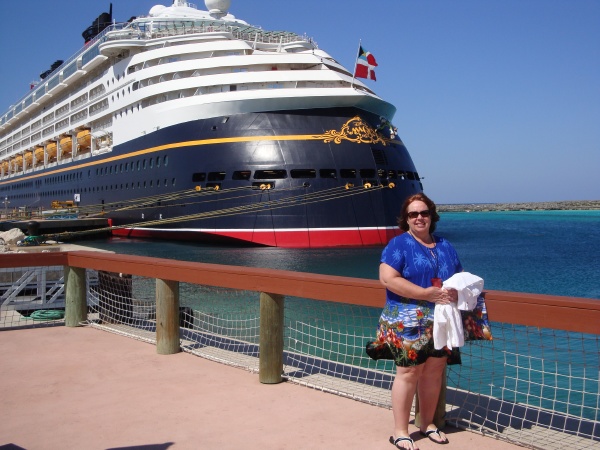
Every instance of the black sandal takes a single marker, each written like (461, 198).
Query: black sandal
(428, 434)
(395, 442)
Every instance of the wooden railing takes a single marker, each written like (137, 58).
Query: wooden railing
(537, 310)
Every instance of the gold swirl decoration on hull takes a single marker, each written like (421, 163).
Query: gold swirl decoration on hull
(354, 130)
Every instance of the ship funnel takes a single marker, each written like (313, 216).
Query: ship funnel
(217, 8)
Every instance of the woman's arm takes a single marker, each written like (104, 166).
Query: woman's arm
(392, 280)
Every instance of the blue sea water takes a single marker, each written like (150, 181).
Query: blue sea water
(545, 252)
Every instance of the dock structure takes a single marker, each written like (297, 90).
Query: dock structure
(57, 225)
(534, 385)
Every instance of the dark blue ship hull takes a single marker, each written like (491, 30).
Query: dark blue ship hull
(307, 178)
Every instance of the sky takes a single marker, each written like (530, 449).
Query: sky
(497, 101)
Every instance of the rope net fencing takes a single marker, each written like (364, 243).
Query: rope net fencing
(530, 386)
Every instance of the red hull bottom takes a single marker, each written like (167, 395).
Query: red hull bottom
(297, 238)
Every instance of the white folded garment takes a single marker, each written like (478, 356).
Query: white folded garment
(469, 287)
(447, 327)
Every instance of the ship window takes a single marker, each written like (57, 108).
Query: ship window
(216, 176)
(264, 174)
(392, 174)
(417, 176)
(158, 161)
(381, 173)
(303, 173)
(348, 173)
(367, 173)
(401, 174)
(166, 161)
(327, 173)
(232, 87)
(410, 175)
(138, 164)
(241, 175)
(151, 163)
(173, 182)
(199, 176)
(144, 164)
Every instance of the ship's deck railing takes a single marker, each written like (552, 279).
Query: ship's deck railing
(154, 29)
(536, 384)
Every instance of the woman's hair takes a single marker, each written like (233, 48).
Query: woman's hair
(403, 219)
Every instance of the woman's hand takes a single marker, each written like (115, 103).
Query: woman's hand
(441, 296)
(453, 295)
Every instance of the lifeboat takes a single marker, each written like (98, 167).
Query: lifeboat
(39, 155)
(4, 167)
(28, 157)
(18, 163)
(66, 146)
(51, 151)
(84, 141)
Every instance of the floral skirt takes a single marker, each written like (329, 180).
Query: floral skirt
(412, 346)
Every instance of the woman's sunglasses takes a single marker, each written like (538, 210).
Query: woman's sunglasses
(415, 214)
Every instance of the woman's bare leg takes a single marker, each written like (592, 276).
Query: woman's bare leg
(403, 392)
(429, 386)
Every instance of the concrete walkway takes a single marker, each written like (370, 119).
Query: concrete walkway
(82, 388)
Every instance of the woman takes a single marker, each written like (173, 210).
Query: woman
(413, 265)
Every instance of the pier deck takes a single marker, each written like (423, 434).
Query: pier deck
(74, 388)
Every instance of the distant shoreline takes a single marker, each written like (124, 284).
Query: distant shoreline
(527, 206)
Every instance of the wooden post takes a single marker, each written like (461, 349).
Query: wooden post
(271, 338)
(167, 317)
(440, 410)
(75, 296)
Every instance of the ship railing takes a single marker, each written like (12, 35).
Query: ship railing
(535, 382)
(126, 31)
(157, 29)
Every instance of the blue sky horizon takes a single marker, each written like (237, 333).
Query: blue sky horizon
(497, 101)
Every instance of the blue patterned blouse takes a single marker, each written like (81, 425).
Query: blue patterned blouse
(417, 264)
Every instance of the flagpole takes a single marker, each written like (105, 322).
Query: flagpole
(355, 64)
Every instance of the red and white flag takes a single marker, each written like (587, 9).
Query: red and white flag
(365, 64)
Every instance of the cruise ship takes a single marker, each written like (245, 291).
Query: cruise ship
(193, 124)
